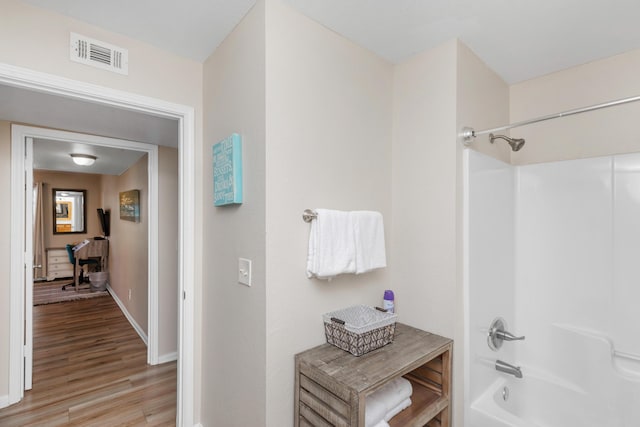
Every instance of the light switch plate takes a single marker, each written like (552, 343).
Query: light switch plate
(244, 271)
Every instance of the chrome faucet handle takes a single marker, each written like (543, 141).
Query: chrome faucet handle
(508, 336)
(498, 334)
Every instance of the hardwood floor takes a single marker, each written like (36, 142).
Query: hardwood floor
(89, 369)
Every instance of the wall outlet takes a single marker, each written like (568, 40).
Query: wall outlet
(129, 294)
(244, 271)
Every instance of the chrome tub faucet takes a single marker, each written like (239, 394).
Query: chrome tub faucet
(508, 369)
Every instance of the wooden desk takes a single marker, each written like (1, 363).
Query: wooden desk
(93, 249)
(331, 385)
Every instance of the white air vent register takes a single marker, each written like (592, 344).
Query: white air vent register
(99, 54)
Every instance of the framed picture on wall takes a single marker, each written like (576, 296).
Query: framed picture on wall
(227, 171)
(63, 210)
(130, 205)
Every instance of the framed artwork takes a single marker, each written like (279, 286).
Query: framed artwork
(63, 210)
(130, 205)
(227, 171)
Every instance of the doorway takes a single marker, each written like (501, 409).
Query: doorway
(92, 94)
(23, 137)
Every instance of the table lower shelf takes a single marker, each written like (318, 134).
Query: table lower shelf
(425, 406)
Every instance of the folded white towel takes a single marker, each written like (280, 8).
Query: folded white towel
(369, 241)
(395, 392)
(375, 410)
(395, 411)
(331, 245)
(386, 400)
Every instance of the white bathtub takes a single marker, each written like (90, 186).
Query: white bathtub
(545, 248)
(540, 400)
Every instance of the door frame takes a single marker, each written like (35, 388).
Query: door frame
(22, 148)
(51, 84)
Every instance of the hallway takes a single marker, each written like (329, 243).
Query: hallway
(90, 370)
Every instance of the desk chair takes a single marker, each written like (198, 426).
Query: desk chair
(81, 262)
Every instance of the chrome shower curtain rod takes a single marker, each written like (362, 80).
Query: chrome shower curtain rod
(467, 134)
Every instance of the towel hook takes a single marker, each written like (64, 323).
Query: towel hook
(309, 215)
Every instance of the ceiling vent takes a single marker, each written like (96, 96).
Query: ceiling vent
(99, 54)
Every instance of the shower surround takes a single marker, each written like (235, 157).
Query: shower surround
(554, 249)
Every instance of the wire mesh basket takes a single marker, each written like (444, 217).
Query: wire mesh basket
(359, 329)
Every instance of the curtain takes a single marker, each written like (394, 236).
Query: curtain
(38, 233)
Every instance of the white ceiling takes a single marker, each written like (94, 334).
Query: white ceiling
(519, 39)
(38, 108)
(55, 156)
(41, 109)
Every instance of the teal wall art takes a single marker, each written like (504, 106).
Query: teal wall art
(227, 171)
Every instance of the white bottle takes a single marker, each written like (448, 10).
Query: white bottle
(387, 302)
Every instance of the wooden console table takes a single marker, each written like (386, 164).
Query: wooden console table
(331, 385)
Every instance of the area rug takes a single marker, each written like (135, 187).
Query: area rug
(51, 292)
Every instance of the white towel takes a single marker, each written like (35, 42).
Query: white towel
(368, 230)
(375, 410)
(331, 245)
(395, 392)
(386, 400)
(395, 411)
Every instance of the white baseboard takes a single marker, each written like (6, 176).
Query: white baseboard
(130, 318)
(4, 401)
(169, 357)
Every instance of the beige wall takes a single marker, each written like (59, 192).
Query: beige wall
(167, 251)
(5, 254)
(608, 131)
(128, 243)
(40, 41)
(76, 181)
(424, 190)
(328, 146)
(233, 338)
(436, 93)
(482, 102)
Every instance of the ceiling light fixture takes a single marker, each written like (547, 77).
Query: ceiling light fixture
(83, 159)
